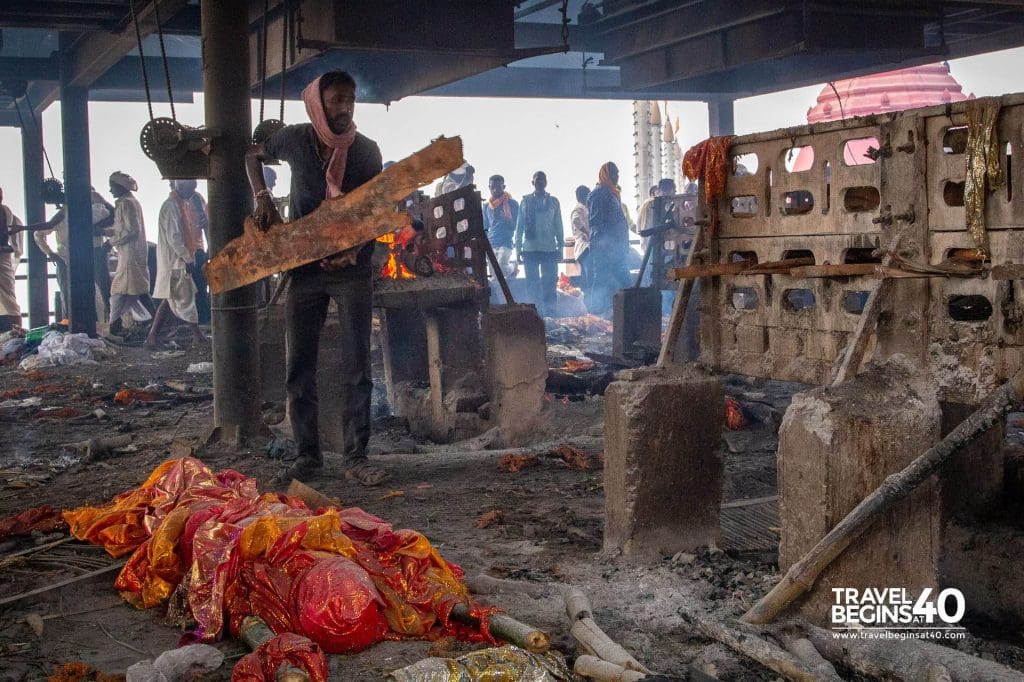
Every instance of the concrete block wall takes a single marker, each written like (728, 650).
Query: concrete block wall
(749, 327)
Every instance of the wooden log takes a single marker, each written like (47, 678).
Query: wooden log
(577, 605)
(779, 267)
(255, 632)
(603, 671)
(802, 648)
(313, 498)
(678, 316)
(907, 659)
(360, 216)
(485, 584)
(857, 270)
(507, 628)
(764, 652)
(709, 270)
(595, 641)
(867, 321)
(801, 576)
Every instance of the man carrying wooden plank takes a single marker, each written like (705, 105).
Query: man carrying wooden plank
(328, 158)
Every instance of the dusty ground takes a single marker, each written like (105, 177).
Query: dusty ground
(550, 533)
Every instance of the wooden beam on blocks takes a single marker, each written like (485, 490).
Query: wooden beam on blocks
(367, 212)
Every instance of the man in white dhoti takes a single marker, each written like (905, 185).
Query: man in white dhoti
(10, 311)
(129, 291)
(179, 238)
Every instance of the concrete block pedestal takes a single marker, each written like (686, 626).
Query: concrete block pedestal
(663, 463)
(836, 445)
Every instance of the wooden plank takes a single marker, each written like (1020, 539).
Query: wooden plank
(868, 320)
(675, 321)
(857, 270)
(360, 216)
(709, 270)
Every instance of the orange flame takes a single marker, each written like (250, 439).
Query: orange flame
(394, 268)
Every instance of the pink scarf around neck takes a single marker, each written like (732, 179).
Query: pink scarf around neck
(339, 144)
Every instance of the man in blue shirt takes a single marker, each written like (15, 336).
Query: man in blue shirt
(539, 240)
(500, 214)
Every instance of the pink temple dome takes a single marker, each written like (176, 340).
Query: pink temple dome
(918, 86)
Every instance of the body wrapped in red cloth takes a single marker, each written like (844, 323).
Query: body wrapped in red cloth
(340, 577)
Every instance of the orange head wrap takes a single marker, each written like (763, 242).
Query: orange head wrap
(604, 178)
(338, 143)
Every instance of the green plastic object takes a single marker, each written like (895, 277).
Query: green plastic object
(36, 335)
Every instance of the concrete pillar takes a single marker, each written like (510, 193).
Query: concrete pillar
(516, 368)
(721, 117)
(836, 445)
(663, 466)
(636, 322)
(236, 393)
(74, 114)
(35, 212)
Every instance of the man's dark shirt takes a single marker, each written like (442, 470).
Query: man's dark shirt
(608, 228)
(297, 145)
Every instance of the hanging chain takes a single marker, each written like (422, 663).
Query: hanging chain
(564, 11)
(263, 59)
(142, 57)
(163, 55)
(39, 130)
(285, 22)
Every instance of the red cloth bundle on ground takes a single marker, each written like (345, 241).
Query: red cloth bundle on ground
(341, 578)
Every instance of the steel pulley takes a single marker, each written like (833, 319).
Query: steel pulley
(179, 151)
(266, 129)
(51, 191)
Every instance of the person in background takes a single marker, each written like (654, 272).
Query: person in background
(178, 239)
(609, 239)
(129, 290)
(539, 241)
(500, 214)
(102, 218)
(457, 179)
(580, 221)
(10, 311)
(198, 276)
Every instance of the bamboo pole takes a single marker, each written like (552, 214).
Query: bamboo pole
(603, 671)
(678, 316)
(756, 648)
(868, 320)
(255, 632)
(507, 628)
(801, 575)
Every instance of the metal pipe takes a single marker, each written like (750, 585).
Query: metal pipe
(236, 367)
(74, 115)
(35, 212)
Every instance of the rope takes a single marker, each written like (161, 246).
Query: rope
(163, 55)
(263, 58)
(142, 58)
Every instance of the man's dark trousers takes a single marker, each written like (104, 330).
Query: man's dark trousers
(542, 279)
(309, 296)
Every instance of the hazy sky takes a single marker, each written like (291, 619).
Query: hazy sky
(569, 139)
